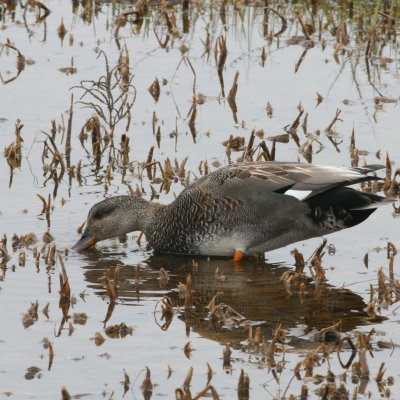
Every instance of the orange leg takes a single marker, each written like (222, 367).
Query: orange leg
(238, 255)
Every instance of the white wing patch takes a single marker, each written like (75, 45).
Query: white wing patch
(299, 194)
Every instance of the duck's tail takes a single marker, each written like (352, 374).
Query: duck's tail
(341, 208)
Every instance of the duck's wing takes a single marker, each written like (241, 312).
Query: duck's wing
(251, 198)
(280, 177)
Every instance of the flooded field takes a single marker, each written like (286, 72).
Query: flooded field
(102, 98)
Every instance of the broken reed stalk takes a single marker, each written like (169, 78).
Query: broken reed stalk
(65, 289)
(188, 292)
(226, 357)
(51, 355)
(220, 46)
(363, 363)
(303, 27)
(149, 163)
(205, 392)
(232, 97)
(299, 260)
(209, 373)
(283, 20)
(293, 128)
(13, 152)
(244, 383)
(164, 276)
(334, 120)
(220, 54)
(318, 253)
(111, 289)
(147, 385)
(192, 119)
(187, 350)
(117, 272)
(46, 207)
(127, 382)
(320, 274)
(186, 59)
(155, 90)
(137, 274)
(69, 132)
(270, 349)
(233, 91)
(57, 155)
(268, 155)
(188, 379)
(167, 307)
(65, 395)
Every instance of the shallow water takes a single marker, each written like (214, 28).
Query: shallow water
(41, 93)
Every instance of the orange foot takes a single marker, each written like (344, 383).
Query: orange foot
(238, 256)
(236, 260)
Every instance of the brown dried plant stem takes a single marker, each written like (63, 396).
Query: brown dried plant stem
(232, 97)
(220, 54)
(69, 133)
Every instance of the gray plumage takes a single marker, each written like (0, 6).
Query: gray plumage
(242, 207)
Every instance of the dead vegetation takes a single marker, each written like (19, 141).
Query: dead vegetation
(110, 153)
(112, 96)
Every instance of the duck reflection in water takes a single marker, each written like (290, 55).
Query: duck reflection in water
(256, 291)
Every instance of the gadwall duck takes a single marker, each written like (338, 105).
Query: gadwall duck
(242, 209)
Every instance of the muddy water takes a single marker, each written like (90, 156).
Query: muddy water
(290, 75)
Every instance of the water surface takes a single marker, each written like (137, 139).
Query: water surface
(286, 72)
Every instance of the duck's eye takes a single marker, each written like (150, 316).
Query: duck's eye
(103, 212)
(98, 215)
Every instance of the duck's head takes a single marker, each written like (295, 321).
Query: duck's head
(113, 217)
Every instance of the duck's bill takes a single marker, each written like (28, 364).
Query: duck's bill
(85, 242)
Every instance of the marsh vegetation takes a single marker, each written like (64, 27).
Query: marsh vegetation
(99, 98)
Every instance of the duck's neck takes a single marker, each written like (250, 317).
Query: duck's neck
(148, 215)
